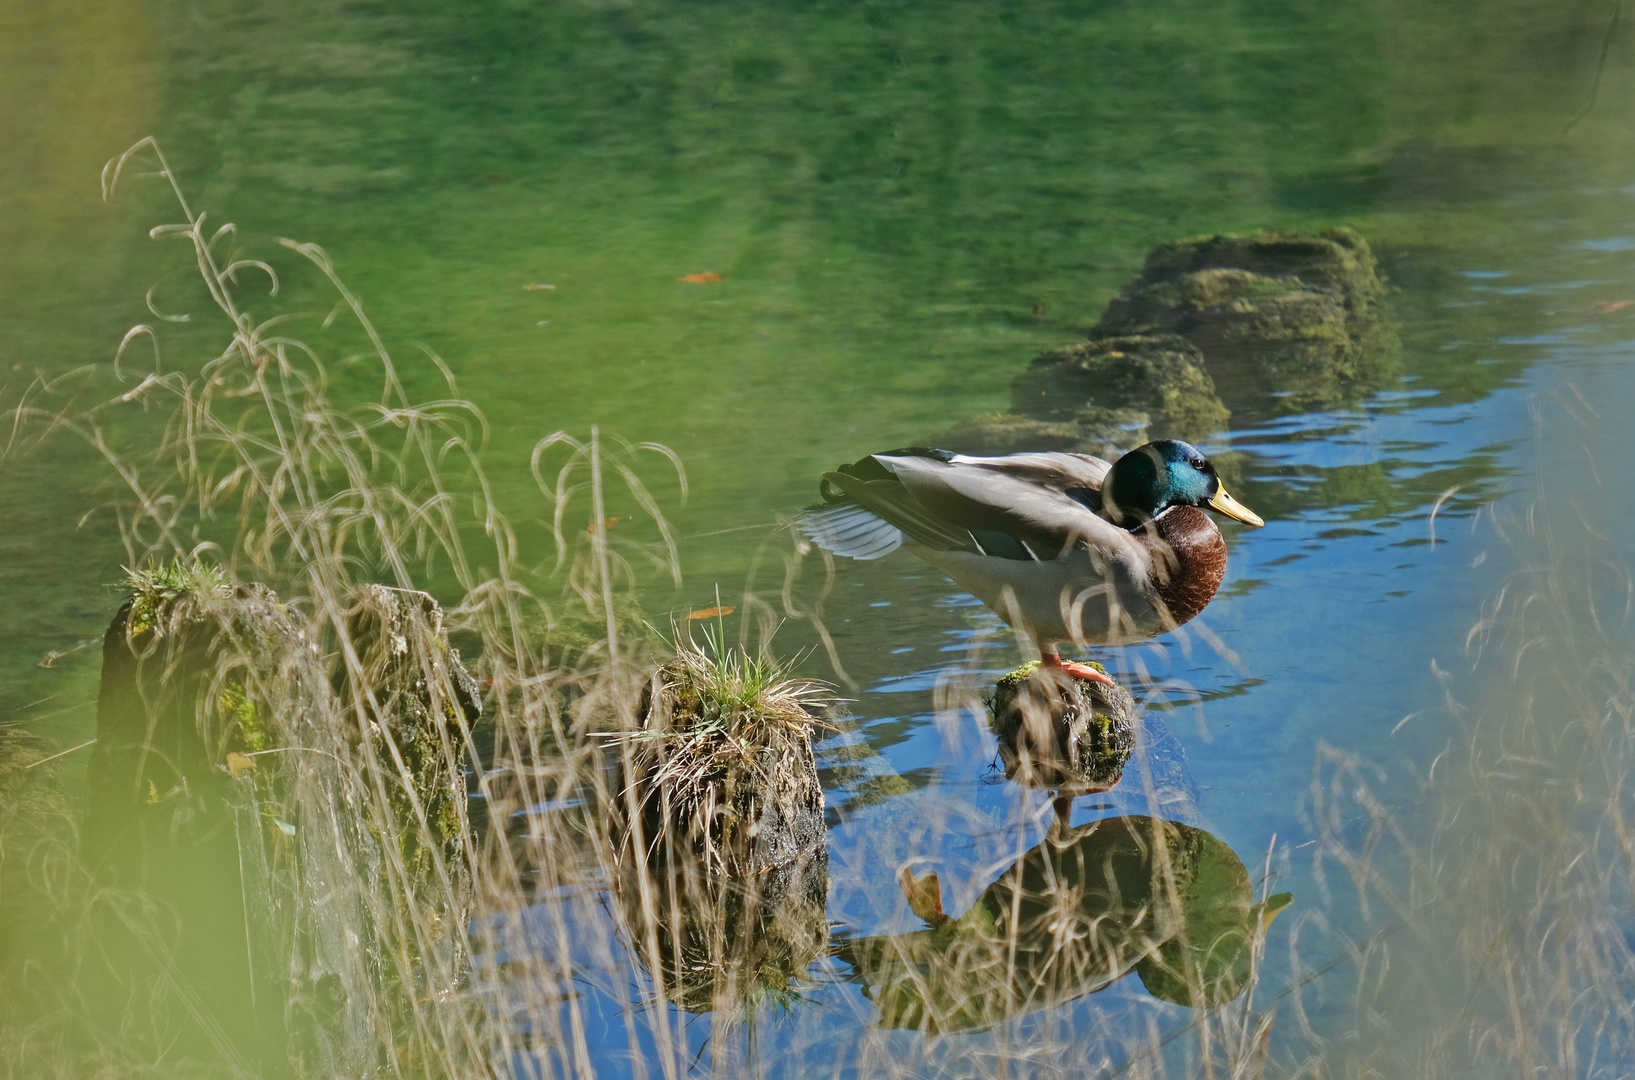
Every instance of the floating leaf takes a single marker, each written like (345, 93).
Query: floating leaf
(1612, 307)
(607, 523)
(238, 764)
(709, 612)
(284, 827)
(924, 895)
(534, 286)
(699, 279)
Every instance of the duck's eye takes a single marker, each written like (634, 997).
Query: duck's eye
(1200, 464)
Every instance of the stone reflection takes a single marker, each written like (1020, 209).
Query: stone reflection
(1077, 913)
(721, 943)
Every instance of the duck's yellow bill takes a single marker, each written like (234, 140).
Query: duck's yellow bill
(1233, 509)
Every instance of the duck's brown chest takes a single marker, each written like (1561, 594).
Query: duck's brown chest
(1189, 561)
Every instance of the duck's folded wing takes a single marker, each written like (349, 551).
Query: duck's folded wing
(890, 502)
(1044, 501)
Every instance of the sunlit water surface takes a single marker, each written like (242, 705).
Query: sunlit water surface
(891, 193)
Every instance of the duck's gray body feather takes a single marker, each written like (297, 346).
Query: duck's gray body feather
(1022, 532)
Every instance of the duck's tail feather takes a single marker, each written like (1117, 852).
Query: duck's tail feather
(849, 530)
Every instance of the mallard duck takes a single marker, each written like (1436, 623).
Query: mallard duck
(1064, 547)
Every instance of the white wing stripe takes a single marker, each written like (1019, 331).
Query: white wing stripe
(850, 531)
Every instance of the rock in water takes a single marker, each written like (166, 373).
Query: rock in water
(168, 825)
(1253, 325)
(1285, 322)
(1122, 388)
(1058, 732)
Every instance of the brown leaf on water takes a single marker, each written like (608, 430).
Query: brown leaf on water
(1612, 307)
(534, 286)
(607, 523)
(699, 279)
(709, 612)
(924, 895)
(238, 764)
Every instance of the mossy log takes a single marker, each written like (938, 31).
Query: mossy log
(1055, 731)
(300, 832)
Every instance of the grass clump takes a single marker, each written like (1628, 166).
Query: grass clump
(157, 588)
(723, 859)
(725, 740)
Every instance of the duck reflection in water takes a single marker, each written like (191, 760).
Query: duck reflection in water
(1065, 547)
(1074, 915)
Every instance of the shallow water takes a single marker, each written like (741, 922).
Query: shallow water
(906, 202)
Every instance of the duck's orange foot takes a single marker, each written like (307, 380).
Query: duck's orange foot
(1077, 671)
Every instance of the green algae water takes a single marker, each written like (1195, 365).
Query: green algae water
(1408, 705)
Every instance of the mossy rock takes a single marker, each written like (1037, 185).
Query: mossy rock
(420, 695)
(1059, 732)
(1285, 322)
(187, 661)
(1107, 382)
(1213, 326)
(721, 779)
(1009, 433)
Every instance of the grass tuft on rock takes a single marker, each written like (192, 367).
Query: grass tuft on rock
(725, 738)
(157, 588)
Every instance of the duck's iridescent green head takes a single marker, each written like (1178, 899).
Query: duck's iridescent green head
(1150, 479)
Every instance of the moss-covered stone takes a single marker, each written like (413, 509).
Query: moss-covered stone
(168, 820)
(1101, 397)
(1009, 433)
(1099, 384)
(1285, 322)
(1216, 325)
(1059, 732)
(419, 697)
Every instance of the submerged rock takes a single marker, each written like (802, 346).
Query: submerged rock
(1077, 913)
(1263, 324)
(1059, 732)
(1285, 322)
(1100, 397)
